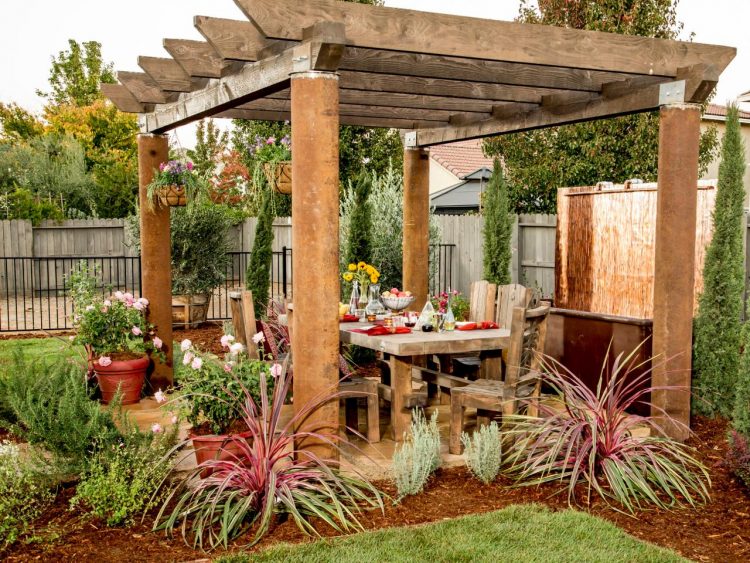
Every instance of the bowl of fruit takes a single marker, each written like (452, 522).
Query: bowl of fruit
(396, 300)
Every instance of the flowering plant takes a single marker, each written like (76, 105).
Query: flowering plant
(459, 304)
(215, 387)
(364, 274)
(109, 327)
(267, 153)
(181, 175)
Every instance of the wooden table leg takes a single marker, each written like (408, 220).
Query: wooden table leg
(400, 388)
(492, 365)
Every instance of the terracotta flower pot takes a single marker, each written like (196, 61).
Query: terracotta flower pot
(279, 175)
(129, 375)
(173, 196)
(218, 447)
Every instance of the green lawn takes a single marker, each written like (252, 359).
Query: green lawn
(517, 533)
(38, 348)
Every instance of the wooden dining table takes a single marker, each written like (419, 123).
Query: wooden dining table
(405, 350)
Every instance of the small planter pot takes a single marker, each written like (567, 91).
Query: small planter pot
(127, 375)
(279, 175)
(222, 447)
(172, 196)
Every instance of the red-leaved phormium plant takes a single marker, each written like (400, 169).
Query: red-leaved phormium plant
(267, 476)
(595, 442)
(738, 457)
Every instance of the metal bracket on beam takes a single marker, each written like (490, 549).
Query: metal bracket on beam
(672, 93)
(410, 140)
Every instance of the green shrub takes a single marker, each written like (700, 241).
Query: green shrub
(358, 243)
(483, 452)
(23, 494)
(418, 457)
(123, 478)
(498, 226)
(717, 328)
(51, 407)
(258, 276)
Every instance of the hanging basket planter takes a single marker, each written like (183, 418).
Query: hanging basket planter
(172, 196)
(279, 175)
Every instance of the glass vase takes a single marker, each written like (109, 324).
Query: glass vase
(374, 306)
(354, 299)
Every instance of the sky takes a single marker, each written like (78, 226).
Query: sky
(32, 31)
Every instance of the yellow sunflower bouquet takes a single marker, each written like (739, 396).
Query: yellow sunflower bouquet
(364, 274)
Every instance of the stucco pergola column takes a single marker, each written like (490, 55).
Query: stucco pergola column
(315, 260)
(156, 274)
(674, 283)
(416, 238)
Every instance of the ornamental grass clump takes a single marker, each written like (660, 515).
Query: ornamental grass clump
(268, 477)
(482, 451)
(595, 443)
(418, 457)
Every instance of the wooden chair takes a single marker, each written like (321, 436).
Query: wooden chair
(528, 332)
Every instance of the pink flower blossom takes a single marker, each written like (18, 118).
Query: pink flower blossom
(137, 331)
(89, 307)
(258, 337)
(119, 295)
(185, 345)
(159, 396)
(138, 306)
(228, 368)
(156, 428)
(226, 340)
(189, 165)
(162, 166)
(236, 348)
(197, 363)
(107, 303)
(128, 296)
(105, 309)
(187, 358)
(144, 301)
(276, 370)
(158, 343)
(174, 419)
(105, 361)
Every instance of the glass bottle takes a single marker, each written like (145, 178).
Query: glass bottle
(354, 299)
(449, 319)
(374, 306)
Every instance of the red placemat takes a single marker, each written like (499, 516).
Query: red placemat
(483, 325)
(382, 331)
(349, 319)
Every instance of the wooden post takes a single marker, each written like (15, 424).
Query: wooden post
(679, 135)
(315, 265)
(156, 274)
(416, 251)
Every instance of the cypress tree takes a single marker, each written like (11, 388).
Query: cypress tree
(358, 247)
(498, 225)
(717, 328)
(258, 276)
(741, 419)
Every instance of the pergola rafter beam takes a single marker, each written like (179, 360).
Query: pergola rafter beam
(168, 74)
(123, 99)
(197, 58)
(557, 111)
(362, 121)
(440, 34)
(144, 88)
(253, 81)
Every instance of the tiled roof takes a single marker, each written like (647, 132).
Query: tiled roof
(717, 110)
(462, 158)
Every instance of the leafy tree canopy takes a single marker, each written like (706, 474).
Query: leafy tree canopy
(17, 124)
(211, 143)
(540, 162)
(76, 74)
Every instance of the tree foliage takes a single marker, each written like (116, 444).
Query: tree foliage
(211, 143)
(17, 124)
(540, 162)
(498, 227)
(358, 244)
(716, 356)
(258, 278)
(75, 75)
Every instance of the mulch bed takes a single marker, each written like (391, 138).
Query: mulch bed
(719, 531)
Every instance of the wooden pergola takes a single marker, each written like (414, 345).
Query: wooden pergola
(441, 78)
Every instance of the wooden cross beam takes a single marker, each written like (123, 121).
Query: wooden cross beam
(168, 74)
(362, 121)
(197, 58)
(440, 34)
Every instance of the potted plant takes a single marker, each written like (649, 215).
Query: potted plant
(175, 184)
(116, 335)
(214, 394)
(273, 160)
(200, 258)
(459, 305)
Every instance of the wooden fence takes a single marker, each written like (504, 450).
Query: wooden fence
(533, 247)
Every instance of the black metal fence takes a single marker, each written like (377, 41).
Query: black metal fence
(33, 293)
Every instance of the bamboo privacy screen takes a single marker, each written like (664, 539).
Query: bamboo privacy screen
(605, 247)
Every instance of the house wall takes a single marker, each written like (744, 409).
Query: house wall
(440, 177)
(713, 168)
